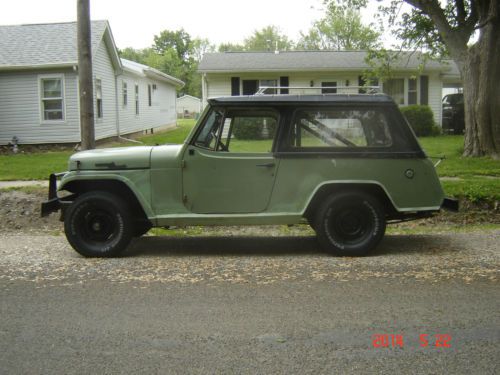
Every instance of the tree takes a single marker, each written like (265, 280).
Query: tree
(268, 38)
(174, 53)
(132, 54)
(199, 47)
(340, 29)
(469, 32)
(231, 47)
(178, 40)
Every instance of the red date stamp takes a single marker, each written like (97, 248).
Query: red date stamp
(389, 340)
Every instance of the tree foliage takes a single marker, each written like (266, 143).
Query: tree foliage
(179, 41)
(269, 38)
(174, 53)
(340, 29)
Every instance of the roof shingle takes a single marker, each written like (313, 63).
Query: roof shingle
(303, 60)
(43, 44)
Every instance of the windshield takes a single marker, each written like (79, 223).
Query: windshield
(200, 119)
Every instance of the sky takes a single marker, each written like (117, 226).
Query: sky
(134, 23)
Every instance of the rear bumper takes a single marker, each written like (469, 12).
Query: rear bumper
(53, 204)
(450, 204)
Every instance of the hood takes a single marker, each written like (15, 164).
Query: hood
(118, 158)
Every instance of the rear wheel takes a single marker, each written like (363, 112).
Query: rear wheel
(98, 224)
(350, 223)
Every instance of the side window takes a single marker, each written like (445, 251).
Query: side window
(136, 99)
(52, 98)
(124, 93)
(249, 131)
(98, 97)
(339, 129)
(242, 131)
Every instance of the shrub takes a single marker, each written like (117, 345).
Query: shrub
(421, 120)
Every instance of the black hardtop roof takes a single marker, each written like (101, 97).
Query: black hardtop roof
(309, 99)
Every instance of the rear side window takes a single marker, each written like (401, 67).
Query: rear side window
(339, 129)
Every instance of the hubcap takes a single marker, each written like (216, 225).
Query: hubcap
(351, 224)
(97, 225)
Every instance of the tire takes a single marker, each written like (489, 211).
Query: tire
(141, 228)
(350, 223)
(98, 224)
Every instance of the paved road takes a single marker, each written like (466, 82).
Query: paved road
(213, 305)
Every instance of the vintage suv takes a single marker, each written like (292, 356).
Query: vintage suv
(345, 164)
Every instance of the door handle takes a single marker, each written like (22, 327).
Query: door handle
(267, 165)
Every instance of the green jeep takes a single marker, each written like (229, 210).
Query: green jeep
(344, 164)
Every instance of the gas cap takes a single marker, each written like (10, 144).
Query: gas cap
(409, 173)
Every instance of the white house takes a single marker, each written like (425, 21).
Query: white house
(39, 99)
(188, 104)
(242, 73)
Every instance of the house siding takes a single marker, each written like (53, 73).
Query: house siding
(220, 84)
(20, 109)
(103, 69)
(20, 101)
(161, 113)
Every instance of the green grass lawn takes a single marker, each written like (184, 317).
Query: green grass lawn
(38, 166)
(452, 146)
(177, 135)
(476, 179)
(35, 166)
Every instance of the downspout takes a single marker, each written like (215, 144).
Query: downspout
(117, 105)
(203, 90)
(117, 102)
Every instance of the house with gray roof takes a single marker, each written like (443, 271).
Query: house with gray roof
(39, 99)
(242, 73)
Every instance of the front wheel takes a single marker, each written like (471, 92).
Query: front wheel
(98, 224)
(350, 223)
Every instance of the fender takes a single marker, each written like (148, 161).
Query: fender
(132, 183)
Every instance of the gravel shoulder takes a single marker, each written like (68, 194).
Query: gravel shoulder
(35, 249)
(252, 259)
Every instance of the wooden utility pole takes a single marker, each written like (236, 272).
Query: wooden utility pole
(85, 75)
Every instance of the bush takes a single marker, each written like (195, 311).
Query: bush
(421, 120)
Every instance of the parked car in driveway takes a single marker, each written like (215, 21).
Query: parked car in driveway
(453, 114)
(344, 164)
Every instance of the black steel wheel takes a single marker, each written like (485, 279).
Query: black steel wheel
(98, 224)
(350, 223)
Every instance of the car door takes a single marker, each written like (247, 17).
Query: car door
(229, 165)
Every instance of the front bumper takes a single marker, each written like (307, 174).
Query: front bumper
(53, 204)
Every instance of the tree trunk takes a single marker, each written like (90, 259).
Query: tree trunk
(481, 77)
